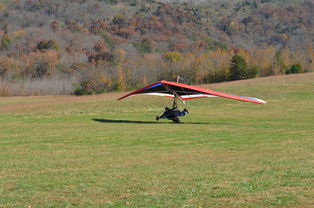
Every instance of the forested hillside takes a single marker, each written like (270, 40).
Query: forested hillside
(94, 46)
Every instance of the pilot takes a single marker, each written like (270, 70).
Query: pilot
(173, 113)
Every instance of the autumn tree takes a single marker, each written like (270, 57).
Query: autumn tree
(42, 64)
(196, 71)
(172, 57)
(94, 84)
(120, 76)
(8, 67)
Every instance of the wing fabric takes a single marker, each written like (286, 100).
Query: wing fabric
(186, 92)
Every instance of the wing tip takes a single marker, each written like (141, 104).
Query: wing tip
(120, 98)
(261, 101)
(139, 90)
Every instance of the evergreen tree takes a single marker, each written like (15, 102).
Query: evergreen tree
(294, 69)
(5, 42)
(238, 68)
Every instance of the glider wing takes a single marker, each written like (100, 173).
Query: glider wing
(186, 92)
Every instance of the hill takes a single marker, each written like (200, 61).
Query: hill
(87, 46)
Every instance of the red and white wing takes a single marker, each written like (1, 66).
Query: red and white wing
(186, 92)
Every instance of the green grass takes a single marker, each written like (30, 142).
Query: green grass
(104, 153)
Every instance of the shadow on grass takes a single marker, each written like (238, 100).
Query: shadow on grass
(147, 122)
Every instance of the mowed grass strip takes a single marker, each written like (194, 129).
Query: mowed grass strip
(93, 151)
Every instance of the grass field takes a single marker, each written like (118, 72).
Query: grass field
(94, 151)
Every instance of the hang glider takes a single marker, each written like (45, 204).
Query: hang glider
(185, 92)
